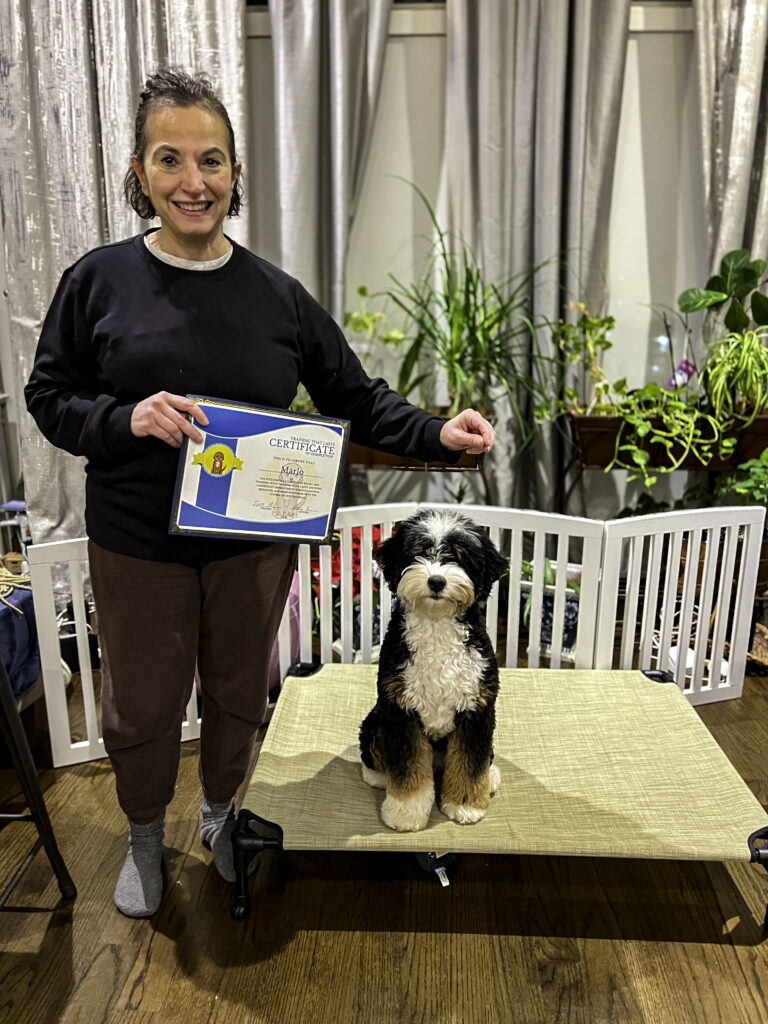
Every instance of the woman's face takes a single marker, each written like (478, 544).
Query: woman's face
(188, 176)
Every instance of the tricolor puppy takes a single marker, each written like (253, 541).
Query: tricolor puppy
(438, 677)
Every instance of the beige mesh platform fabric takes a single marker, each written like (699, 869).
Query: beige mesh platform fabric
(593, 763)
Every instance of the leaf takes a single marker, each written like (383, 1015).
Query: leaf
(698, 298)
(759, 267)
(743, 282)
(407, 367)
(715, 284)
(736, 319)
(730, 264)
(393, 337)
(759, 308)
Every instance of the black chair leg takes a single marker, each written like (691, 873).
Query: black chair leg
(16, 740)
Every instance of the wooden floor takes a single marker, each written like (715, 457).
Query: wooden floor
(341, 938)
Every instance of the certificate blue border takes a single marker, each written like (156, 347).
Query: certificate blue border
(227, 422)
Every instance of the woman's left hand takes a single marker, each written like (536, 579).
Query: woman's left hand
(469, 432)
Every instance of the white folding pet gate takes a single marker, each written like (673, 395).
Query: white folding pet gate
(672, 592)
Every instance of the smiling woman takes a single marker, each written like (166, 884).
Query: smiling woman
(133, 330)
(188, 178)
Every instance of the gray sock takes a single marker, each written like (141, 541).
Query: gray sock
(216, 834)
(139, 888)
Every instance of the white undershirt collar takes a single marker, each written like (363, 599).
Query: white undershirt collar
(150, 241)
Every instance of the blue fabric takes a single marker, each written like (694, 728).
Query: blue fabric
(18, 641)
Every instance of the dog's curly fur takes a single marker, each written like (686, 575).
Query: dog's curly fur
(438, 677)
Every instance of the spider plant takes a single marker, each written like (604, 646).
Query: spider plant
(736, 377)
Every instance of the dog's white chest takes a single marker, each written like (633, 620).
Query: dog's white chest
(444, 673)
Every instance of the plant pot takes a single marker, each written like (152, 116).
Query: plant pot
(751, 441)
(371, 458)
(595, 438)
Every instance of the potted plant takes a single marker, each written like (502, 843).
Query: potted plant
(465, 340)
(735, 381)
(748, 485)
(645, 430)
(570, 607)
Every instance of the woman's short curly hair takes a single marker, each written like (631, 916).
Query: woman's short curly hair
(173, 87)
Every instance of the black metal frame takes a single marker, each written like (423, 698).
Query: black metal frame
(16, 740)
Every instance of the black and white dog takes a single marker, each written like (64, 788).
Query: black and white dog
(438, 677)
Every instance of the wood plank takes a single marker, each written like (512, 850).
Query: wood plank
(338, 937)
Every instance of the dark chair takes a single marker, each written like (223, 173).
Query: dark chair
(16, 741)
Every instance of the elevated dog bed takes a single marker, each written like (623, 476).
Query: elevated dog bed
(595, 764)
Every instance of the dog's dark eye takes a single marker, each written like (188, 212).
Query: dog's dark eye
(418, 550)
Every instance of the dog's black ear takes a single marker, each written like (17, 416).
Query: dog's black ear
(391, 556)
(495, 565)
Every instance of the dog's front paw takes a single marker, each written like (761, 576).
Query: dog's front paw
(376, 779)
(494, 778)
(410, 815)
(462, 814)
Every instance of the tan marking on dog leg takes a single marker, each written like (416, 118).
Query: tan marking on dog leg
(373, 750)
(463, 799)
(408, 804)
(393, 689)
(486, 694)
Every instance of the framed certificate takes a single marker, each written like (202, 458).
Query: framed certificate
(262, 473)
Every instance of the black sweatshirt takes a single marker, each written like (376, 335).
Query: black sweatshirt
(124, 325)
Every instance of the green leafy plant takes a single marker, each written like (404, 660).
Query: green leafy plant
(749, 481)
(466, 332)
(302, 403)
(460, 493)
(659, 427)
(738, 283)
(736, 377)
(369, 324)
(645, 504)
(526, 573)
(582, 342)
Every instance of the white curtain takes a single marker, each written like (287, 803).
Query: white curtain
(69, 85)
(733, 104)
(328, 57)
(533, 96)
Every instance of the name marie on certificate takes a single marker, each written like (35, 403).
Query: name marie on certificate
(261, 473)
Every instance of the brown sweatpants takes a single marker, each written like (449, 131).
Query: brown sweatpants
(157, 619)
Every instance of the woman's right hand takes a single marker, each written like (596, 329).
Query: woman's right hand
(161, 415)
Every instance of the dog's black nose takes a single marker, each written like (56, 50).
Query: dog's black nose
(436, 584)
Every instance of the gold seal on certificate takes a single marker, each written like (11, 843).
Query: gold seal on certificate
(268, 474)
